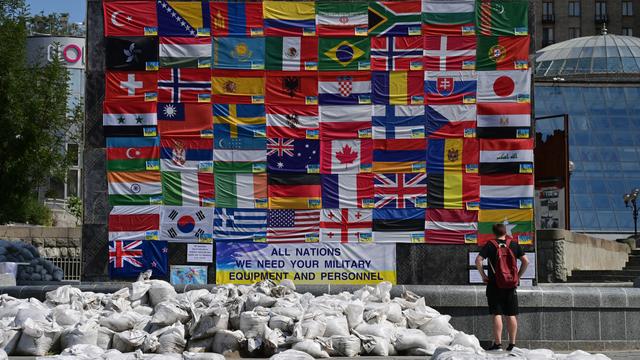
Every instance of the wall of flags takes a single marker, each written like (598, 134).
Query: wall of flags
(327, 121)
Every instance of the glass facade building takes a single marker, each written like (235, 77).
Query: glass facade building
(596, 80)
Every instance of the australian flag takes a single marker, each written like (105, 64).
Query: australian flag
(293, 155)
(128, 258)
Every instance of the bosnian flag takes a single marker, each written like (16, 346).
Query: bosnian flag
(187, 224)
(451, 120)
(134, 222)
(510, 191)
(450, 87)
(347, 191)
(292, 121)
(345, 225)
(345, 122)
(504, 86)
(449, 226)
(344, 88)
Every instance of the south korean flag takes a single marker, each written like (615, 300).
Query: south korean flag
(187, 224)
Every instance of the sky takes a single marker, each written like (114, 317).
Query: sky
(76, 8)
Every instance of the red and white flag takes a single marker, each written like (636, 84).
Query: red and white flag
(400, 190)
(446, 226)
(350, 156)
(346, 225)
(292, 226)
(292, 121)
(130, 18)
(345, 122)
(443, 53)
(134, 223)
(504, 86)
(176, 85)
(396, 53)
(132, 85)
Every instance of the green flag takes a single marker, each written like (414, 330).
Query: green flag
(502, 17)
(245, 191)
(187, 188)
(337, 54)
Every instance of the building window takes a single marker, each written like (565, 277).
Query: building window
(72, 154)
(601, 10)
(547, 8)
(627, 31)
(574, 8)
(547, 36)
(627, 8)
(574, 32)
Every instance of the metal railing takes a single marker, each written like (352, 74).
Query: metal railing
(71, 266)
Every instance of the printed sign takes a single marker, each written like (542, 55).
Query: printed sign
(200, 253)
(188, 275)
(320, 263)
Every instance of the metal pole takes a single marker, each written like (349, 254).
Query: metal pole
(567, 195)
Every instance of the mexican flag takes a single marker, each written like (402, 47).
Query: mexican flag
(291, 53)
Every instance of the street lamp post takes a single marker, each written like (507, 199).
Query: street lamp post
(630, 200)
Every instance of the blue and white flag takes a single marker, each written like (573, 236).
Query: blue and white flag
(238, 53)
(239, 224)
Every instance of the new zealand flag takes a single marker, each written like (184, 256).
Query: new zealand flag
(128, 258)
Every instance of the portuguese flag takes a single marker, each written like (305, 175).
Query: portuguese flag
(502, 53)
(519, 223)
(502, 17)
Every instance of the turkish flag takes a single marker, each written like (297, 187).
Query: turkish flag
(130, 18)
(132, 85)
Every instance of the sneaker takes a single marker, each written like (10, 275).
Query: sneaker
(510, 347)
(495, 347)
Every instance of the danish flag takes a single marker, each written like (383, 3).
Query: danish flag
(120, 253)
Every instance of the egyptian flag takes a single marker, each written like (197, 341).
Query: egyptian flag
(345, 156)
(398, 225)
(345, 122)
(506, 156)
(132, 53)
(236, 18)
(504, 120)
(185, 119)
(451, 121)
(449, 226)
(347, 191)
(134, 222)
(397, 87)
(509, 191)
(129, 119)
(293, 121)
(130, 18)
(294, 191)
(292, 88)
(131, 86)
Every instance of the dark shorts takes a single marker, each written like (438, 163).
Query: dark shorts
(502, 301)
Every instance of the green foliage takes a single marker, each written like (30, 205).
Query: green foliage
(56, 24)
(34, 119)
(33, 212)
(74, 206)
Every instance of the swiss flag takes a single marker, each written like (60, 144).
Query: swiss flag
(352, 156)
(130, 18)
(131, 85)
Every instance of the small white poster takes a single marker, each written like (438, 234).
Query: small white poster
(200, 253)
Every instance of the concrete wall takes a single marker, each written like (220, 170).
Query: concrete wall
(560, 252)
(50, 241)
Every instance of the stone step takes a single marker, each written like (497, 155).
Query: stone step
(606, 272)
(589, 277)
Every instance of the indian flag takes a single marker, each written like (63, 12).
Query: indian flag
(448, 17)
(246, 191)
(134, 188)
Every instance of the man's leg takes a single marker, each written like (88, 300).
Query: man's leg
(497, 329)
(512, 328)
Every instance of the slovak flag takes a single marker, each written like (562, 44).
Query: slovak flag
(352, 156)
(128, 258)
(450, 87)
(187, 224)
(345, 225)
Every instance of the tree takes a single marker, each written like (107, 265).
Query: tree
(56, 24)
(35, 122)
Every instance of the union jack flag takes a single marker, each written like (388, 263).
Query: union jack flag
(128, 258)
(400, 190)
(280, 147)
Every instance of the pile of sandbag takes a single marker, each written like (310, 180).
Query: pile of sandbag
(36, 269)
(261, 320)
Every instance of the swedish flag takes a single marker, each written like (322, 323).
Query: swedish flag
(344, 54)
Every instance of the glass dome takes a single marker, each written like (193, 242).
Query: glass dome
(602, 54)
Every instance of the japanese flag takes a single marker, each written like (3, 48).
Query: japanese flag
(504, 86)
(350, 156)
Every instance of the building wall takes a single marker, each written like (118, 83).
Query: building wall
(561, 22)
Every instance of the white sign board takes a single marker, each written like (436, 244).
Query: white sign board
(200, 253)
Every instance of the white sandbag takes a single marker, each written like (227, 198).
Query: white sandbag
(81, 334)
(3, 355)
(354, 313)
(348, 346)
(375, 313)
(385, 330)
(172, 339)
(83, 351)
(105, 338)
(167, 313)
(37, 338)
(227, 341)
(143, 310)
(64, 295)
(281, 322)
(30, 313)
(9, 337)
(310, 347)
(119, 322)
(454, 353)
(440, 340)
(212, 320)
(258, 299)
(537, 354)
(468, 341)
(293, 311)
(160, 291)
(129, 340)
(200, 345)
(438, 325)
(273, 340)
(202, 356)
(380, 346)
(292, 355)
(140, 291)
(407, 339)
(310, 327)
(581, 355)
(394, 313)
(65, 317)
(252, 324)
(336, 325)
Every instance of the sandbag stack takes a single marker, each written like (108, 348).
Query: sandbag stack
(36, 268)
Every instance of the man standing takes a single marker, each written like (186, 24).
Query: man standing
(502, 299)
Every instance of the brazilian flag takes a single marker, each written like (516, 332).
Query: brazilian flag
(337, 54)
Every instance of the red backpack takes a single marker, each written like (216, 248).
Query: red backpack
(506, 270)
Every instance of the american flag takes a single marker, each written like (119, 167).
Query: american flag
(293, 226)
(400, 190)
(119, 253)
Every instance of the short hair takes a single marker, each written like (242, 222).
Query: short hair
(499, 229)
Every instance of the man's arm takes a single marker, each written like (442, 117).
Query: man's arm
(524, 263)
(479, 260)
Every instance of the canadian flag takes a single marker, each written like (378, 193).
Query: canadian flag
(350, 156)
